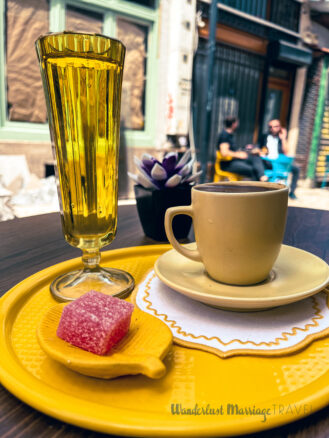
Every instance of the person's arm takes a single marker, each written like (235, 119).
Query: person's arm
(284, 142)
(262, 146)
(227, 152)
(264, 152)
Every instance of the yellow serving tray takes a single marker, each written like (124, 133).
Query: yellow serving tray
(200, 395)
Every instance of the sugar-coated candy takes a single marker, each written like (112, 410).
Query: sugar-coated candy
(95, 322)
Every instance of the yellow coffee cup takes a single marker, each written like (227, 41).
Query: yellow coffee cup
(238, 226)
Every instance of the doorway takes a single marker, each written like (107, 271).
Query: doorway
(277, 101)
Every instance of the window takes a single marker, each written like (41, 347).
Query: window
(149, 3)
(82, 20)
(22, 103)
(25, 22)
(134, 37)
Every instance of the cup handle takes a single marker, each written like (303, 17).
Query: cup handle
(192, 254)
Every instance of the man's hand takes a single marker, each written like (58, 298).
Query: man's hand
(251, 149)
(283, 134)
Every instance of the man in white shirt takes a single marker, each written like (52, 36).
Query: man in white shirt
(275, 143)
(272, 145)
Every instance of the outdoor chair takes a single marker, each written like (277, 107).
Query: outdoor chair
(222, 175)
(280, 168)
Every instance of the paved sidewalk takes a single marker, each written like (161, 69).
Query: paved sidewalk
(311, 198)
(36, 201)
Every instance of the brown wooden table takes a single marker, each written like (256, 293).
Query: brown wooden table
(31, 244)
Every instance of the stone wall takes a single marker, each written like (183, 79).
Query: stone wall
(37, 154)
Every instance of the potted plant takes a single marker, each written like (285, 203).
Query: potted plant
(161, 185)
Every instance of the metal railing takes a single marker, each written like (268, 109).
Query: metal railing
(258, 8)
(235, 92)
(284, 13)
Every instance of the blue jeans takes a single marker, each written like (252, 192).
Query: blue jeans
(295, 175)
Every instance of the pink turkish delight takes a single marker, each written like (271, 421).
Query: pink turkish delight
(95, 322)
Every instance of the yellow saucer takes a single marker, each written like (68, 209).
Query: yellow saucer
(139, 352)
(296, 274)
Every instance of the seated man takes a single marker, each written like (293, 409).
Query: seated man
(275, 143)
(242, 163)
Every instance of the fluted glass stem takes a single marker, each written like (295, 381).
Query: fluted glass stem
(91, 260)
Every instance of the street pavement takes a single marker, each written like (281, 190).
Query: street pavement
(311, 198)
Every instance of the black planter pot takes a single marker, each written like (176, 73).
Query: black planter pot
(152, 206)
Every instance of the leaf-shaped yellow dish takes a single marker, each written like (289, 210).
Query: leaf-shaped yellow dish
(139, 352)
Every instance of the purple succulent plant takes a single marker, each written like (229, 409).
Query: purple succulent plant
(169, 173)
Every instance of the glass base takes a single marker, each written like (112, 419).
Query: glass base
(110, 281)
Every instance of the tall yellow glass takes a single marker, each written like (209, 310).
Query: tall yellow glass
(82, 79)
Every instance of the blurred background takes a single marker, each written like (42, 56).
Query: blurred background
(265, 60)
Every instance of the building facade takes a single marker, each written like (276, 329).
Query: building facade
(158, 36)
(313, 144)
(268, 64)
(260, 67)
